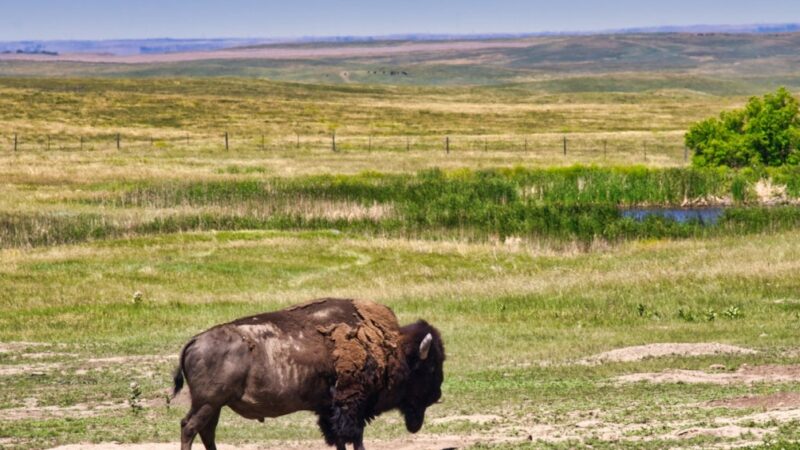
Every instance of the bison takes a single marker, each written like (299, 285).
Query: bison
(346, 360)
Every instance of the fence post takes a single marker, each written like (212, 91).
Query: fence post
(187, 139)
(644, 149)
(298, 140)
(117, 141)
(408, 144)
(48, 142)
(226, 140)
(15, 142)
(333, 141)
(81, 143)
(685, 153)
(565, 146)
(262, 142)
(526, 145)
(485, 145)
(605, 145)
(447, 144)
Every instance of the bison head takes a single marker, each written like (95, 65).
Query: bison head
(425, 357)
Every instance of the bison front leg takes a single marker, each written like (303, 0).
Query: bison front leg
(340, 428)
(358, 442)
(196, 421)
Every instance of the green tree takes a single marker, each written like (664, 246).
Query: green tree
(765, 132)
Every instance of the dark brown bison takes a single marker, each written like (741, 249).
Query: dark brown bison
(346, 360)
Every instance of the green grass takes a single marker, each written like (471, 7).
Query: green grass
(502, 311)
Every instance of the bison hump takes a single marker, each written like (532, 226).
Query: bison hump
(365, 351)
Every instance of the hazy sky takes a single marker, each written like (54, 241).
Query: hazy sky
(111, 19)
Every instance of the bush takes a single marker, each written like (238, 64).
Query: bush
(766, 132)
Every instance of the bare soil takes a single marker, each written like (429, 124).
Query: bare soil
(40, 368)
(727, 431)
(779, 400)
(640, 352)
(745, 374)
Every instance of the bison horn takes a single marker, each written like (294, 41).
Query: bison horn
(425, 346)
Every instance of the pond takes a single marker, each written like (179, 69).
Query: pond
(707, 215)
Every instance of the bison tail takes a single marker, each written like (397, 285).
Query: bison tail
(178, 380)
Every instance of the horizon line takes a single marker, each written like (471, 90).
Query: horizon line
(746, 28)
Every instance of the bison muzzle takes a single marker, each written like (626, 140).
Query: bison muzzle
(346, 360)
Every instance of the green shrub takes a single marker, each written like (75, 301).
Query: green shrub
(766, 132)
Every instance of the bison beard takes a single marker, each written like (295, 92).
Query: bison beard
(346, 360)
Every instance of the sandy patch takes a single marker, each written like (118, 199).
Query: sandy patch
(29, 369)
(473, 418)
(727, 431)
(46, 412)
(130, 359)
(745, 374)
(640, 352)
(779, 400)
(419, 442)
(9, 347)
(48, 355)
(769, 417)
(36, 369)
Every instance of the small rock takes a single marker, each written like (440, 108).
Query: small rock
(717, 367)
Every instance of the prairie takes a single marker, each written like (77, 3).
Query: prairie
(566, 324)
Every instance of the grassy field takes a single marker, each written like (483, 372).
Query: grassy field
(195, 113)
(110, 259)
(517, 320)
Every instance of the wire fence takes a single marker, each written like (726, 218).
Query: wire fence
(595, 144)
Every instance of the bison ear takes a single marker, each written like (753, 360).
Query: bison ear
(425, 346)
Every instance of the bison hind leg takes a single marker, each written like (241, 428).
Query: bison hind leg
(200, 420)
(208, 433)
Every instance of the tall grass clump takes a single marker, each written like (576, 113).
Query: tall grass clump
(577, 185)
(576, 203)
(619, 185)
(170, 194)
(34, 230)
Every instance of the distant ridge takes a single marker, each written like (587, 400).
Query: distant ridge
(174, 45)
